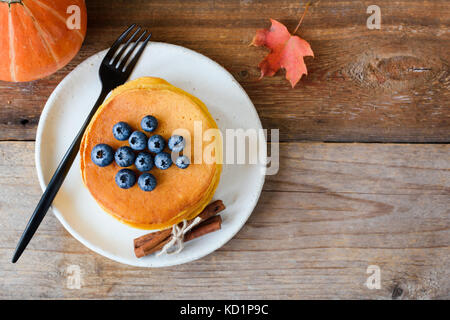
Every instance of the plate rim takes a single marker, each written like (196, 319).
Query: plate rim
(38, 141)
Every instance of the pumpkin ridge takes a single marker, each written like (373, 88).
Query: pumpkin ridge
(56, 14)
(41, 35)
(12, 54)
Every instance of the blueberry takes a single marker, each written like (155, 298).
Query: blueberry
(138, 140)
(144, 161)
(182, 162)
(102, 155)
(149, 123)
(147, 182)
(125, 178)
(176, 143)
(121, 131)
(124, 156)
(163, 160)
(156, 143)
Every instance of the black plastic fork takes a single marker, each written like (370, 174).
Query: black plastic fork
(114, 71)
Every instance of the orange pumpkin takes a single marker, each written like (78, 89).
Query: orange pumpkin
(38, 37)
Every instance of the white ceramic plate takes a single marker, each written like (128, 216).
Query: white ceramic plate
(66, 110)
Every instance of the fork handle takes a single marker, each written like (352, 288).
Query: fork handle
(55, 183)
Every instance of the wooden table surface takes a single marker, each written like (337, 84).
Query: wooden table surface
(364, 174)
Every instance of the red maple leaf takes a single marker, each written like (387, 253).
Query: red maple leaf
(286, 51)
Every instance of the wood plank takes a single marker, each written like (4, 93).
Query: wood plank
(332, 210)
(363, 85)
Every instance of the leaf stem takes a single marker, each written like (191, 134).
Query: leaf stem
(303, 16)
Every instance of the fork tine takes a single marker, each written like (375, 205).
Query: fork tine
(130, 52)
(125, 46)
(138, 54)
(116, 44)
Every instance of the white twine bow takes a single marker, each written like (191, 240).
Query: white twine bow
(177, 240)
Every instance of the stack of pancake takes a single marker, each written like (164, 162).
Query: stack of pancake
(180, 193)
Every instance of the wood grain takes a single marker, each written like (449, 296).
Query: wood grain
(363, 85)
(332, 210)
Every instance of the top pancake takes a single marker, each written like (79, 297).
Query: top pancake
(180, 193)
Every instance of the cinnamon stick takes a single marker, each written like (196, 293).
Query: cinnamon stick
(142, 251)
(152, 239)
(210, 225)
